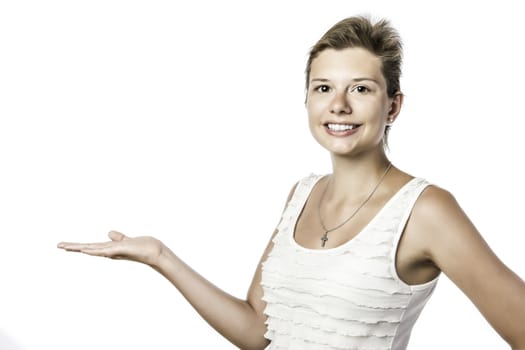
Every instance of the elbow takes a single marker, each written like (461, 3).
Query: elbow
(517, 345)
(255, 345)
(517, 341)
(257, 342)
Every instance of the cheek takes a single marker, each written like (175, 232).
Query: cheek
(374, 108)
(314, 107)
(314, 116)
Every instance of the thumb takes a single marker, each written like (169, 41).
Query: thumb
(117, 236)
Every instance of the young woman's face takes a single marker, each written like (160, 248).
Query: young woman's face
(348, 106)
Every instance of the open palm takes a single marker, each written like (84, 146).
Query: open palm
(142, 249)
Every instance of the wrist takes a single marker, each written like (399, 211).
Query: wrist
(158, 255)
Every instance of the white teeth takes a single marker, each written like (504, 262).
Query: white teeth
(341, 127)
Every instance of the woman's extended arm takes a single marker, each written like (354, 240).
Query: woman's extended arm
(455, 246)
(240, 321)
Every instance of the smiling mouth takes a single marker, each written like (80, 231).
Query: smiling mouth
(341, 127)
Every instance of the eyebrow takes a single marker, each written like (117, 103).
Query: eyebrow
(357, 80)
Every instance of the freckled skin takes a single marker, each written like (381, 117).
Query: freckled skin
(347, 86)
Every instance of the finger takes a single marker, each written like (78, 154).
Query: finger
(117, 236)
(107, 252)
(76, 247)
(69, 246)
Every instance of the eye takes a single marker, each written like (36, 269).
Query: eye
(361, 89)
(322, 88)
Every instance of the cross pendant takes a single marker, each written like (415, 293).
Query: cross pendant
(324, 239)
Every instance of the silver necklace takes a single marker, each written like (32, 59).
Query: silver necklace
(324, 238)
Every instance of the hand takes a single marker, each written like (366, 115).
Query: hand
(143, 249)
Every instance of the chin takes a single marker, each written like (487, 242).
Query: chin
(338, 152)
(342, 148)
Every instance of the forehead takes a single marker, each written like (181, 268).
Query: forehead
(348, 63)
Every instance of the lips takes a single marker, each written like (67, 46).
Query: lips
(341, 129)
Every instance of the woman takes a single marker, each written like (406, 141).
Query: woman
(357, 253)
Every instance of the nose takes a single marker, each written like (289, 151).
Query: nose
(340, 104)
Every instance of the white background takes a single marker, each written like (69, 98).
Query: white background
(186, 121)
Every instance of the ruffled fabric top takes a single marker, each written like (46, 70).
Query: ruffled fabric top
(349, 297)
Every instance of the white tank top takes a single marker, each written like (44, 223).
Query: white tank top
(348, 297)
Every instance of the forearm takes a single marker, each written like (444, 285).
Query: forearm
(232, 317)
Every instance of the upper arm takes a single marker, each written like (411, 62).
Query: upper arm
(255, 292)
(456, 247)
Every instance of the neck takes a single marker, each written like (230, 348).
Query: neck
(356, 175)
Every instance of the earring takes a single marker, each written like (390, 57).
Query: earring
(389, 121)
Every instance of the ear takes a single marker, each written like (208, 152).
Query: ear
(395, 107)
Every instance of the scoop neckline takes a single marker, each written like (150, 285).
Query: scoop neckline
(291, 235)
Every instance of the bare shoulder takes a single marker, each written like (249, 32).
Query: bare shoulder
(435, 198)
(436, 204)
(437, 220)
(454, 245)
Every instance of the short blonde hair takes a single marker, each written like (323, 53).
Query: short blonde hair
(379, 38)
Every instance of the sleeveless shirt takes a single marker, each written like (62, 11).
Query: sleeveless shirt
(348, 297)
